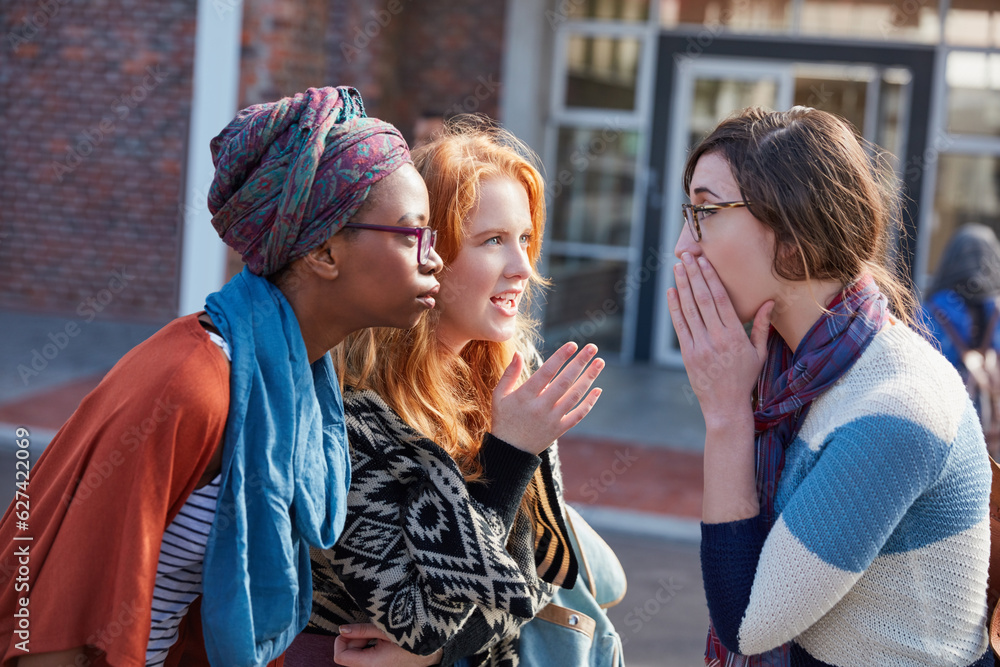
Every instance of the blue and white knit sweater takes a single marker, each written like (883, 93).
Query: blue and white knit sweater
(880, 551)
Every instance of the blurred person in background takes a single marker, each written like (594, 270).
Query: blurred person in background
(961, 315)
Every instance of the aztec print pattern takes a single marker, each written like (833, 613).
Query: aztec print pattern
(425, 561)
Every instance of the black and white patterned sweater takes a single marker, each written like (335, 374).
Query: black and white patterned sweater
(433, 562)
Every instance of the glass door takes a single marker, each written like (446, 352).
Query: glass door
(706, 91)
(594, 148)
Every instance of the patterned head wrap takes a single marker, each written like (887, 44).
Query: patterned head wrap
(289, 174)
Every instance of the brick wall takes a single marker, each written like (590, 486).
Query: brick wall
(282, 53)
(94, 123)
(282, 48)
(409, 56)
(361, 36)
(406, 57)
(93, 130)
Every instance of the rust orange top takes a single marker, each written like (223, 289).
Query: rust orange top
(100, 497)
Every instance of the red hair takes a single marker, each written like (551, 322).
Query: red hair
(444, 397)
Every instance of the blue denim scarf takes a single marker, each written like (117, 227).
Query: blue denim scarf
(285, 474)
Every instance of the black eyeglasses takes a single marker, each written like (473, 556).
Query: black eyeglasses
(693, 215)
(426, 237)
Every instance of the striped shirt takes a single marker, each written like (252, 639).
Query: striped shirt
(182, 553)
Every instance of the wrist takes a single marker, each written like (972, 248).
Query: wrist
(513, 437)
(726, 426)
(507, 471)
(730, 479)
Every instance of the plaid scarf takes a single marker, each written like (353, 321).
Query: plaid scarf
(788, 384)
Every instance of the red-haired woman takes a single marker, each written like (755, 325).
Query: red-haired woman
(455, 534)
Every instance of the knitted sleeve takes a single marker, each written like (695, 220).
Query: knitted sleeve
(543, 537)
(419, 553)
(506, 471)
(852, 505)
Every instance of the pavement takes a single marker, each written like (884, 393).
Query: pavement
(632, 467)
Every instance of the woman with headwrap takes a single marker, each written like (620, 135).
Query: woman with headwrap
(172, 515)
(961, 314)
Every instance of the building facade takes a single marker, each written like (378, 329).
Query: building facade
(632, 85)
(107, 109)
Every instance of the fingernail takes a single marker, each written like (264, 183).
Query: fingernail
(687, 258)
(702, 261)
(345, 630)
(678, 269)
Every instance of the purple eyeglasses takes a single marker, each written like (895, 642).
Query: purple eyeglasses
(426, 237)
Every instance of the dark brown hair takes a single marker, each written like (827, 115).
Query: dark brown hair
(831, 204)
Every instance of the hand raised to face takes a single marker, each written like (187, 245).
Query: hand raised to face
(721, 362)
(549, 403)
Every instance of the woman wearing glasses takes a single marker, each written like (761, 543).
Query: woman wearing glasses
(845, 517)
(171, 517)
(455, 533)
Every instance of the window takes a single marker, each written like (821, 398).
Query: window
(599, 106)
(896, 20)
(601, 71)
(974, 93)
(735, 15)
(973, 23)
(592, 187)
(586, 303)
(615, 10)
(968, 190)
